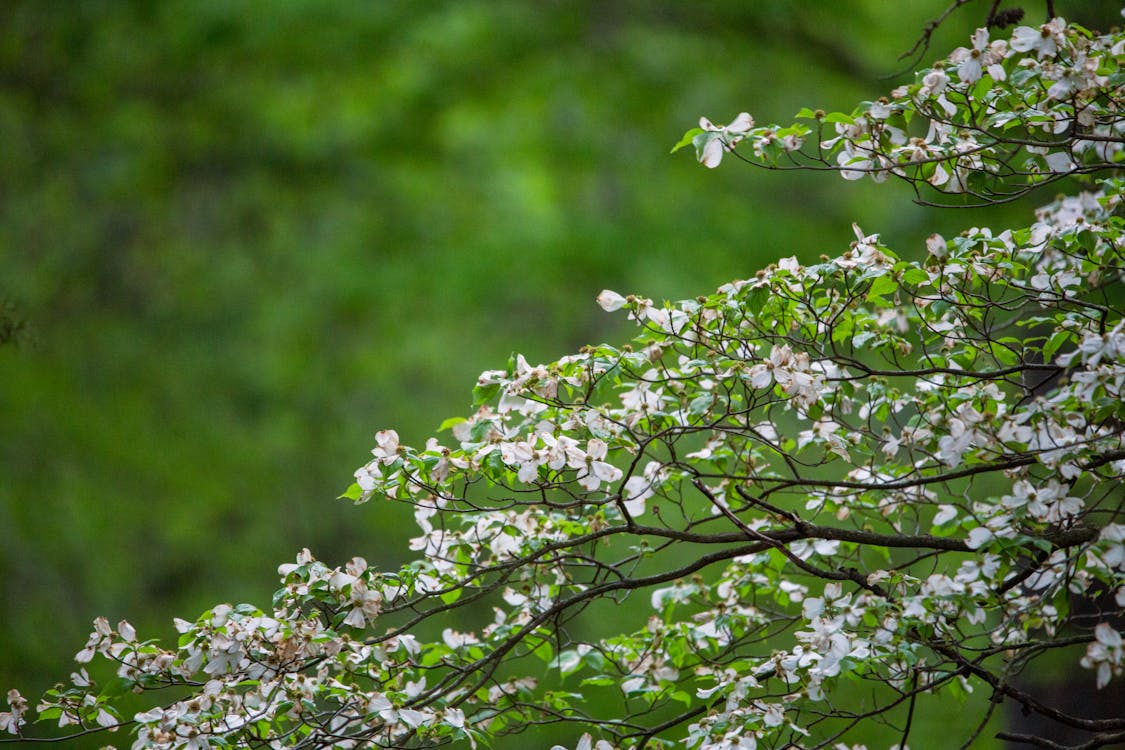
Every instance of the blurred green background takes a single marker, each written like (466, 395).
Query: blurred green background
(245, 236)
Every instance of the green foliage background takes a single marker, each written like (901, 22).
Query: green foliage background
(245, 236)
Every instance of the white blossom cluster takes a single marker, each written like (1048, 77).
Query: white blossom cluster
(990, 119)
(866, 471)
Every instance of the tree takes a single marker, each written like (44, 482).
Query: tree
(839, 491)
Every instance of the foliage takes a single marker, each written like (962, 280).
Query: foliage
(245, 238)
(862, 472)
(999, 118)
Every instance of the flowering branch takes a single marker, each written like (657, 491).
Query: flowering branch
(864, 473)
(991, 122)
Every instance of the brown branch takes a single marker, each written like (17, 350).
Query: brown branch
(847, 574)
(1098, 740)
(1029, 702)
(991, 20)
(805, 530)
(909, 482)
(928, 31)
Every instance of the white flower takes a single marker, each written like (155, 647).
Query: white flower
(1059, 162)
(1043, 40)
(804, 549)
(610, 300)
(1105, 654)
(523, 455)
(945, 514)
(504, 545)
(586, 742)
(951, 447)
(455, 639)
(454, 717)
(595, 470)
(934, 82)
(969, 70)
(11, 721)
(978, 537)
(637, 489)
(386, 446)
(937, 246)
(724, 138)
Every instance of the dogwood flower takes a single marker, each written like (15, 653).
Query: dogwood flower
(610, 300)
(1043, 41)
(724, 138)
(1106, 654)
(595, 470)
(586, 742)
(11, 721)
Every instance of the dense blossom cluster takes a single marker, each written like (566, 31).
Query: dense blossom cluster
(828, 491)
(991, 121)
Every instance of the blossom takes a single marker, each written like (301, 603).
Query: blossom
(638, 489)
(805, 549)
(724, 138)
(979, 537)
(456, 640)
(522, 453)
(952, 446)
(791, 371)
(595, 469)
(1043, 41)
(945, 514)
(11, 721)
(983, 55)
(586, 742)
(936, 246)
(387, 446)
(610, 300)
(1106, 654)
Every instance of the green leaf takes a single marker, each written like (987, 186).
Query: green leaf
(701, 404)
(915, 276)
(881, 286)
(482, 394)
(117, 687)
(686, 140)
(683, 697)
(757, 299)
(839, 117)
(450, 423)
(544, 652)
(480, 430)
(599, 680)
(1058, 339)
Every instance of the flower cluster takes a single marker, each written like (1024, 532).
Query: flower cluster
(866, 470)
(991, 120)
